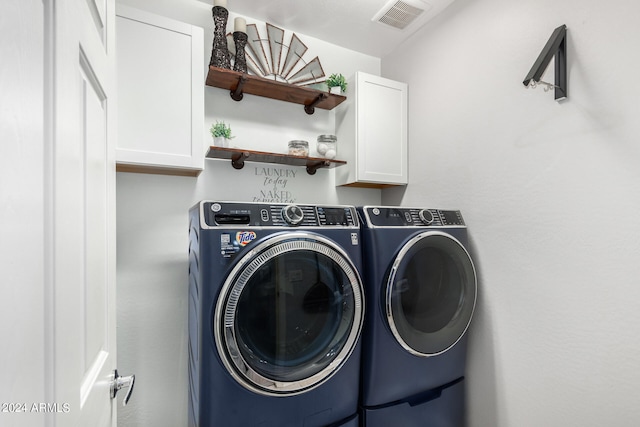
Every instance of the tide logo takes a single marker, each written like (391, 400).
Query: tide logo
(245, 237)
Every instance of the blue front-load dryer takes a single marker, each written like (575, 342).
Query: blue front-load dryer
(420, 287)
(276, 308)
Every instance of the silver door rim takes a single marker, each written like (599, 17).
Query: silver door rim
(391, 280)
(224, 316)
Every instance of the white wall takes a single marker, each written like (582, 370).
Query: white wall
(550, 192)
(24, 285)
(152, 222)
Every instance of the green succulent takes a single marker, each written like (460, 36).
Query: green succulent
(221, 129)
(337, 80)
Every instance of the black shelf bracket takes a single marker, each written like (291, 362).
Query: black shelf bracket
(556, 46)
(237, 94)
(312, 167)
(237, 160)
(310, 108)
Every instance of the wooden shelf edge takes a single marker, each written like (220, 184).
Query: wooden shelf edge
(260, 86)
(238, 156)
(156, 170)
(377, 185)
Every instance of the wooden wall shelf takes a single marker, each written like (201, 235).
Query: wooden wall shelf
(239, 84)
(239, 156)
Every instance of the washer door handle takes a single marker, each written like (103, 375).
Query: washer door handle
(120, 382)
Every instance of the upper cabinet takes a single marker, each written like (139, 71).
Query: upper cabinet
(371, 126)
(160, 66)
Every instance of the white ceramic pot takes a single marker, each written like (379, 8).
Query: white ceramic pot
(220, 141)
(335, 90)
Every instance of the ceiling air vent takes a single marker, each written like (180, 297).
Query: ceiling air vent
(399, 14)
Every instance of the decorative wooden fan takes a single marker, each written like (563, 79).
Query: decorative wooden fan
(272, 58)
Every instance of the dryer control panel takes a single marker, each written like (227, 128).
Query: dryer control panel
(386, 216)
(234, 214)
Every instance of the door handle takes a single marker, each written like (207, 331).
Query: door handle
(120, 382)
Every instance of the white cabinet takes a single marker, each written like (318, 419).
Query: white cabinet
(371, 126)
(160, 78)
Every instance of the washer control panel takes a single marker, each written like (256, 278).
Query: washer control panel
(234, 214)
(412, 217)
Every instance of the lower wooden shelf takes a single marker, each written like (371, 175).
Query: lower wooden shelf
(238, 156)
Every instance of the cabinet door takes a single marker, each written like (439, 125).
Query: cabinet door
(381, 119)
(160, 65)
(372, 133)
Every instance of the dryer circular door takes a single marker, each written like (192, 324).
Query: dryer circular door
(289, 314)
(430, 293)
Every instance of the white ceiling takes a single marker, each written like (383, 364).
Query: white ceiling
(346, 23)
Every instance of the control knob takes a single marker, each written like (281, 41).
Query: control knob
(292, 214)
(426, 216)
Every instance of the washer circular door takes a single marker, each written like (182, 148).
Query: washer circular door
(289, 314)
(430, 293)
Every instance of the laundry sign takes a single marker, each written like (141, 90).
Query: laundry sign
(266, 183)
(275, 185)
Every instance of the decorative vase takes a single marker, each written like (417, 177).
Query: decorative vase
(220, 141)
(220, 50)
(335, 90)
(240, 39)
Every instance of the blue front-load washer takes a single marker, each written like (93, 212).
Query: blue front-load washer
(276, 309)
(420, 287)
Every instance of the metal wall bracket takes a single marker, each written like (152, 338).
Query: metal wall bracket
(556, 46)
(237, 160)
(237, 94)
(312, 167)
(311, 108)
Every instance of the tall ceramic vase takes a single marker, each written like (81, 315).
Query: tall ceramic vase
(240, 40)
(220, 50)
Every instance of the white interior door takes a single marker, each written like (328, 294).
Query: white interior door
(82, 205)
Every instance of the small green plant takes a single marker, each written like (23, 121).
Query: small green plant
(337, 80)
(220, 129)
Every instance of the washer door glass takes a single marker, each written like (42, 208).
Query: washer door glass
(430, 293)
(289, 315)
